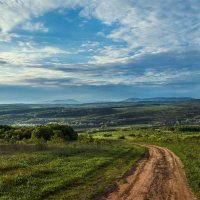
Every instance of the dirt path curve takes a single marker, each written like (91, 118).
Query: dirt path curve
(159, 177)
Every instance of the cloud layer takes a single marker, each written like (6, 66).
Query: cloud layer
(122, 43)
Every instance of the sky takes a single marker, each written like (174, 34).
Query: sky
(92, 50)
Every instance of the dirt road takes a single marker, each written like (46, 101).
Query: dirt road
(159, 177)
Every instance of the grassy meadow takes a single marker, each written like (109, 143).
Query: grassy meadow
(77, 170)
(88, 167)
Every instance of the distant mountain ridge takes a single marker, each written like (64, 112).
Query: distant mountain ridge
(129, 100)
(66, 101)
(173, 99)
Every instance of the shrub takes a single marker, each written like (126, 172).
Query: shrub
(132, 135)
(63, 131)
(42, 132)
(4, 128)
(121, 137)
(107, 135)
(36, 133)
(25, 135)
(188, 128)
(86, 138)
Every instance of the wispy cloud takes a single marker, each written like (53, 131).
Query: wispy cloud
(35, 27)
(26, 53)
(17, 12)
(162, 24)
(153, 27)
(137, 72)
(99, 43)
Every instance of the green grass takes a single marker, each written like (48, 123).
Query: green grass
(84, 169)
(74, 171)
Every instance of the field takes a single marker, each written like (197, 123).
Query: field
(83, 169)
(52, 162)
(104, 115)
(72, 171)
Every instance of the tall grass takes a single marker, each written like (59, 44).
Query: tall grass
(77, 170)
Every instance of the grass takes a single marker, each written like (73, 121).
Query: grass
(84, 169)
(73, 171)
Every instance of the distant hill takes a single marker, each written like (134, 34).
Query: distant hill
(66, 101)
(161, 99)
(129, 100)
(132, 100)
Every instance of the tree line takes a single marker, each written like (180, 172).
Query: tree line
(33, 133)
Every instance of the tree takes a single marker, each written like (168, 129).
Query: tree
(42, 132)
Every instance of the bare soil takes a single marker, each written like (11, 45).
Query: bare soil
(159, 177)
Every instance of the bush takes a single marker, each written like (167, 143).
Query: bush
(86, 138)
(132, 135)
(63, 131)
(107, 135)
(4, 128)
(42, 132)
(188, 128)
(36, 133)
(121, 137)
(54, 131)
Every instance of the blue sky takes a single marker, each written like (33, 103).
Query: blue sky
(92, 50)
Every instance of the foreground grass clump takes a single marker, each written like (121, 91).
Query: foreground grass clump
(78, 170)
